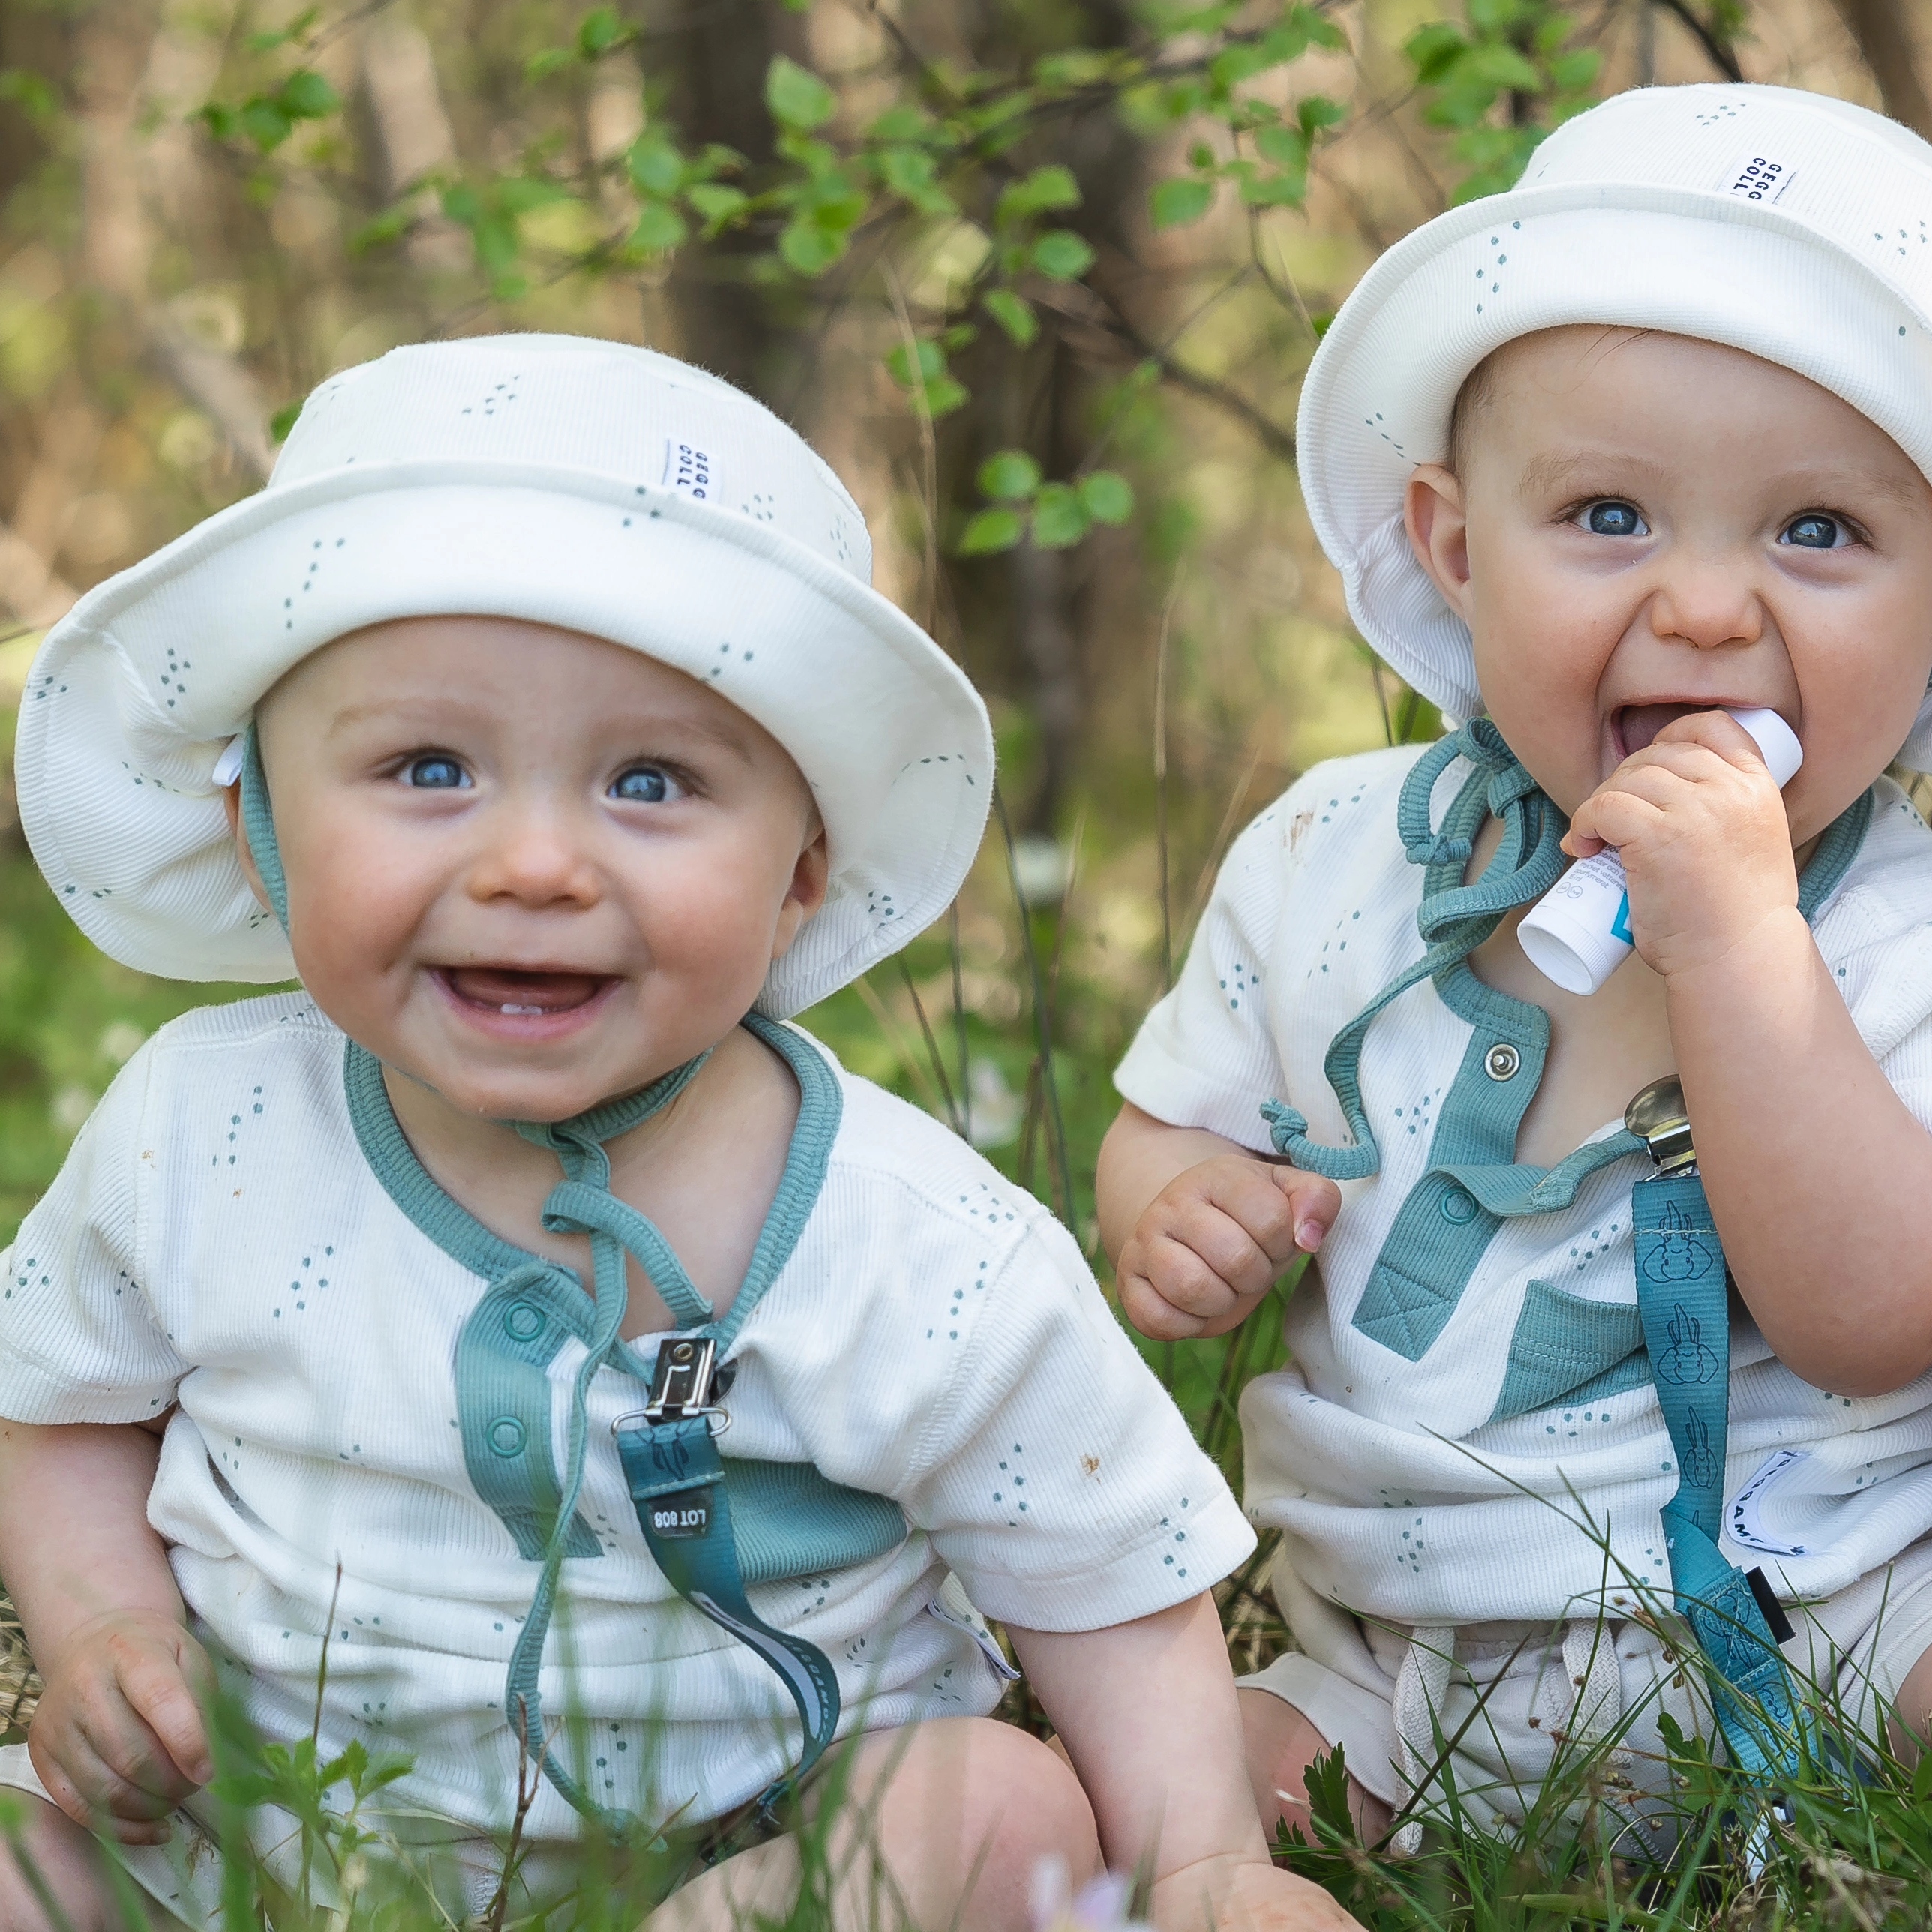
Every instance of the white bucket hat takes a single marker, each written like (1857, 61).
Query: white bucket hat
(564, 480)
(1784, 224)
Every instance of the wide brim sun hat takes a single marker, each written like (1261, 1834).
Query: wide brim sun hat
(586, 485)
(1786, 224)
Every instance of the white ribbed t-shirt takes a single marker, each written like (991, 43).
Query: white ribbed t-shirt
(217, 1239)
(1404, 1488)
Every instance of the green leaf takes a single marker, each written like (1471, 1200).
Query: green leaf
(1182, 199)
(903, 123)
(1571, 73)
(659, 226)
(797, 97)
(1434, 49)
(306, 96)
(1050, 187)
(600, 30)
(654, 164)
(909, 365)
(906, 171)
(1060, 518)
(716, 202)
(517, 194)
(1061, 255)
(990, 531)
(37, 99)
(1317, 111)
(1285, 147)
(942, 398)
(807, 249)
(1010, 475)
(381, 230)
(1014, 314)
(283, 420)
(547, 61)
(1107, 496)
(264, 123)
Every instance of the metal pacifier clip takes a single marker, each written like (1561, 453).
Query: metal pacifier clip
(1682, 1290)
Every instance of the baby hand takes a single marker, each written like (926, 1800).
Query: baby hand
(118, 1739)
(1702, 832)
(1212, 1242)
(1250, 1896)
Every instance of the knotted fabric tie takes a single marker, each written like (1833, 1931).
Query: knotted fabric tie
(1454, 919)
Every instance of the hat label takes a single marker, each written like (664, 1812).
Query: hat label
(687, 470)
(1757, 178)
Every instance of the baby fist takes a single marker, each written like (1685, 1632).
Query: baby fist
(1213, 1242)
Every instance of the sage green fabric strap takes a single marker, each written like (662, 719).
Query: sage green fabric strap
(258, 822)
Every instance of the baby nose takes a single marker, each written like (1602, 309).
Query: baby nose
(1707, 605)
(534, 860)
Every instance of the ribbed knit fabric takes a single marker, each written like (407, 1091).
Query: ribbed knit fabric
(1428, 1490)
(217, 1238)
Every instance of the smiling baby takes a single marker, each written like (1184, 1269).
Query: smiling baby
(374, 1354)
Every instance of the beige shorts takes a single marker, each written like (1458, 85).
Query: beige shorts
(1518, 1701)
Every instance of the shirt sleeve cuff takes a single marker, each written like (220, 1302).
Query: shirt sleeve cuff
(1186, 1097)
(1169, 1567)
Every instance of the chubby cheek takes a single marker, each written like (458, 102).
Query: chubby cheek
(349, 926)
(708, 922)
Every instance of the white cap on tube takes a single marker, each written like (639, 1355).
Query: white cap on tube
(1578, 934)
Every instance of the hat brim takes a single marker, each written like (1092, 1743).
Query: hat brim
(133, 695)
(1380, 394)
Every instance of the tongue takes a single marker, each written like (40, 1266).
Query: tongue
(1639, 723)
(500, 986)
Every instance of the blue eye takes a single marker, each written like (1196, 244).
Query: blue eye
(1613, 519)
(1814, 532)
(435, 773)
(646, 784)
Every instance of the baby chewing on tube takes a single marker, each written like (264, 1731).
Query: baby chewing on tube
(1578, 934)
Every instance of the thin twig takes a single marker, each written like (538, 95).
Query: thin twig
(938, 1059)
(1160, 838)
(1721, 56)
(959, 1017)
(883, 1013)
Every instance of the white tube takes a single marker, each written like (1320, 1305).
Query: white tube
(1578, 934)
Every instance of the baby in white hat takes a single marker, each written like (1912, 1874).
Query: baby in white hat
(374, 1352)
(1642, 442)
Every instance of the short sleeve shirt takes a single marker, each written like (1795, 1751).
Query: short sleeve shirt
(218, 1239)
(1435, 1459)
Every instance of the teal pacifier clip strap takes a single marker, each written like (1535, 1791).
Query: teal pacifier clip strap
(1681, 1301)
(677, 1483)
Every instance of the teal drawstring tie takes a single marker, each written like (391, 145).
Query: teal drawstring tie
(1454, 919)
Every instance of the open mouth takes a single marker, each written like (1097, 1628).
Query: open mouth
(1635, 726)
(516, 993)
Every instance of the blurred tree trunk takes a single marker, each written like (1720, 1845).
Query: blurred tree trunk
(1883, 30)
(719, 95)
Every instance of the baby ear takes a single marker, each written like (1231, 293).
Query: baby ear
(1437, 525)
(231, 803)
(804, 895)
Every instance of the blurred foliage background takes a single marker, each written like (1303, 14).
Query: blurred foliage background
(1039, 277)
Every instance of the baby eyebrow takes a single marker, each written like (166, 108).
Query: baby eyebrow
(1557, 475)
